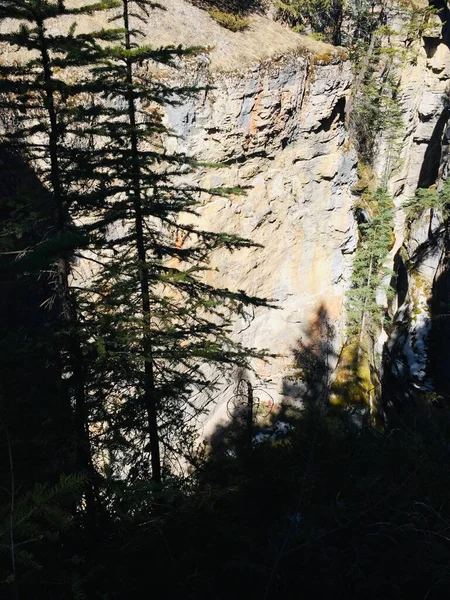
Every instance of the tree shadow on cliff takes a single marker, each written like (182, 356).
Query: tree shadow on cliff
(234, 437)
(329, 377)
(314, 358)
(309, 509)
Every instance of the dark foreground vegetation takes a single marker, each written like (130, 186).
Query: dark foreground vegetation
(325, 508)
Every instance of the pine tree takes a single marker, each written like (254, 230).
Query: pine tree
(158, 320)
(354, 382)
(364, 313)
(42, 108)
(323, 16)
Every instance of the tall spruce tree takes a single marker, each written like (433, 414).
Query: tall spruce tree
(355, 382)
(364, 313)
(156, 317)
(133, 338)
(41, 107)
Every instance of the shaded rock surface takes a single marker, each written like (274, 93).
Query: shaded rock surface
(416, 353)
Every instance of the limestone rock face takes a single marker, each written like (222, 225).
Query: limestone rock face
(278, 126)
(423, 100)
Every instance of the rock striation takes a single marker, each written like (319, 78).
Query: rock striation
(278, 127)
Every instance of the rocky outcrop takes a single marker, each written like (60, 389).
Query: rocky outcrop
(417, 344)
(271, 112)
(278, 127)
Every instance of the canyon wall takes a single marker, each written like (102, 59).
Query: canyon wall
(277, 125)
(416, 355)
(270, 113)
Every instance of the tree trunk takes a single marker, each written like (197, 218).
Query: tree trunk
(83, 455)
(150, 401)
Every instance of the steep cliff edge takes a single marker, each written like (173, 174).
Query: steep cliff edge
(278, 126)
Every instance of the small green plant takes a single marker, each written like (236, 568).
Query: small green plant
(325, 58)
(430, 198)
(229, 20)
(320, 37)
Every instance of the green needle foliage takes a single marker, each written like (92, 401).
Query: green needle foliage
(112, 335)
(379, 53)
(134, 337)
(364, 313)
(324, 17)
(432, 198)
(354, 381)
(376, 113)
(229, 20)
(155, 320)
(41, 97)
(31, 523)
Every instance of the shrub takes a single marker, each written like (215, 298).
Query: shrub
(320, 37)
(229, 20)
(430, 198)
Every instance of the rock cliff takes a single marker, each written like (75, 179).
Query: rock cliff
(274, 115)
(416, 356)
(277, 124)
(271, 111)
